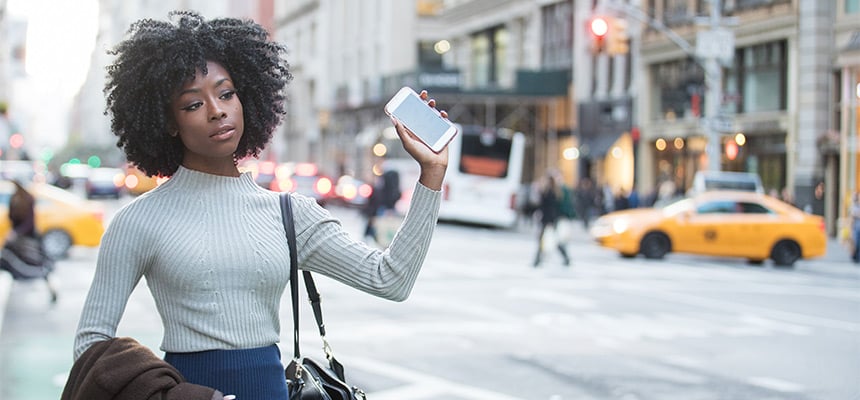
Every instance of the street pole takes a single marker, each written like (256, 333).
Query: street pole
(713, 47)
(714, 87)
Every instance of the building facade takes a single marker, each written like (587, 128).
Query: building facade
(492, 63)
(780, 98)
(786, 106)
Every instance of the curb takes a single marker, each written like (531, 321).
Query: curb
(5, 289)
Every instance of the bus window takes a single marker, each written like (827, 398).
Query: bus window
(484, 155)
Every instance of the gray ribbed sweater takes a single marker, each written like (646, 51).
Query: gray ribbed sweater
(215, 257)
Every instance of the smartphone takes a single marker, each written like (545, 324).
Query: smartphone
(422, 120)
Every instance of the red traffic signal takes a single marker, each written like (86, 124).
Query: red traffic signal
(598, 27)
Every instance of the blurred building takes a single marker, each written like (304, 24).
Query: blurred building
(13, 36)
(501, 64)
(633, 114)
(782, 89)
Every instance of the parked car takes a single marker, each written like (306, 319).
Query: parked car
(63, 218)
(352, 192)
(742, 224)
(305, 179)
(105, 182)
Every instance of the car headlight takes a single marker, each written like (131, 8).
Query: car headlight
(620, 226)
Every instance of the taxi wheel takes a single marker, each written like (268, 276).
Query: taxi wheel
(655, 245)
(785, 253)
(56, 243)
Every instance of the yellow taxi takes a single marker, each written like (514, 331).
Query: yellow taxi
(716, 223)
(63, 218)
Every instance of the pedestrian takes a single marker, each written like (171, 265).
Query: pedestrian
(855, 228)
(621, 200)
(633, 200)
(371, 209)
(23, 254)
(189, 98)
(383, 199)
(585, 200)
(550, 210)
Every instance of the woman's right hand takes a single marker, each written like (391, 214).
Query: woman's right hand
(433, 165)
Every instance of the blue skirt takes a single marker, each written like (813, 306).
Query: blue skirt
(250, 374)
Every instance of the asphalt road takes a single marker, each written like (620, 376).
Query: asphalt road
(483, 324)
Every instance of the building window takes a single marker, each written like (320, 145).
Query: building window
(680, 89)
(758, 79)
(852, 6)
(489, 56)
(480, 60)
(428, 58)
(676, 12)
(557, 35)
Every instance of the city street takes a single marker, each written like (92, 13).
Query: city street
(483, 324)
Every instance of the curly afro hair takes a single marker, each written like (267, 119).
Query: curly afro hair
(159, 56)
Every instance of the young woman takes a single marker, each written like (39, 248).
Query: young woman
(188, 98)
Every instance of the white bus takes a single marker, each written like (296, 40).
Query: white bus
(485, 168)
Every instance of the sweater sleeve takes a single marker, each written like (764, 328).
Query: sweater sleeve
(119, 268)
(325, 247)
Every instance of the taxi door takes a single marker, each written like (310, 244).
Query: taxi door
(714, 228)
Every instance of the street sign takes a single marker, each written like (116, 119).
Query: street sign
(718, 43)
(721, 123)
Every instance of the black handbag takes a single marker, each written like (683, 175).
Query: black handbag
(308, 379)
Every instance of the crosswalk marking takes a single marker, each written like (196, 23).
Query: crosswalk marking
(776, 384)
(421, 386)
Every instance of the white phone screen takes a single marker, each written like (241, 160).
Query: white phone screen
(419, 118)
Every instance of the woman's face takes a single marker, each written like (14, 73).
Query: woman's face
(208, 119)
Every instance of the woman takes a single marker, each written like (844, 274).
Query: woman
(550, 210)
(188, 98)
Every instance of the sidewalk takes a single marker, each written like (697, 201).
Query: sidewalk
(5, 288)
(836, 252)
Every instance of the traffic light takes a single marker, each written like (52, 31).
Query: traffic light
(598, 27)
(618, 41)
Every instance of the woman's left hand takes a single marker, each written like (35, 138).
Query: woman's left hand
(433, 165)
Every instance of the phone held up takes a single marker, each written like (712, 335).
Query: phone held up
(422, 120)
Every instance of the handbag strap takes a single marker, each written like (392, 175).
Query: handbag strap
(313, 293)
(289, 227)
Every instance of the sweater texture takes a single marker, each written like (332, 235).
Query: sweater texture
(214, 255)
